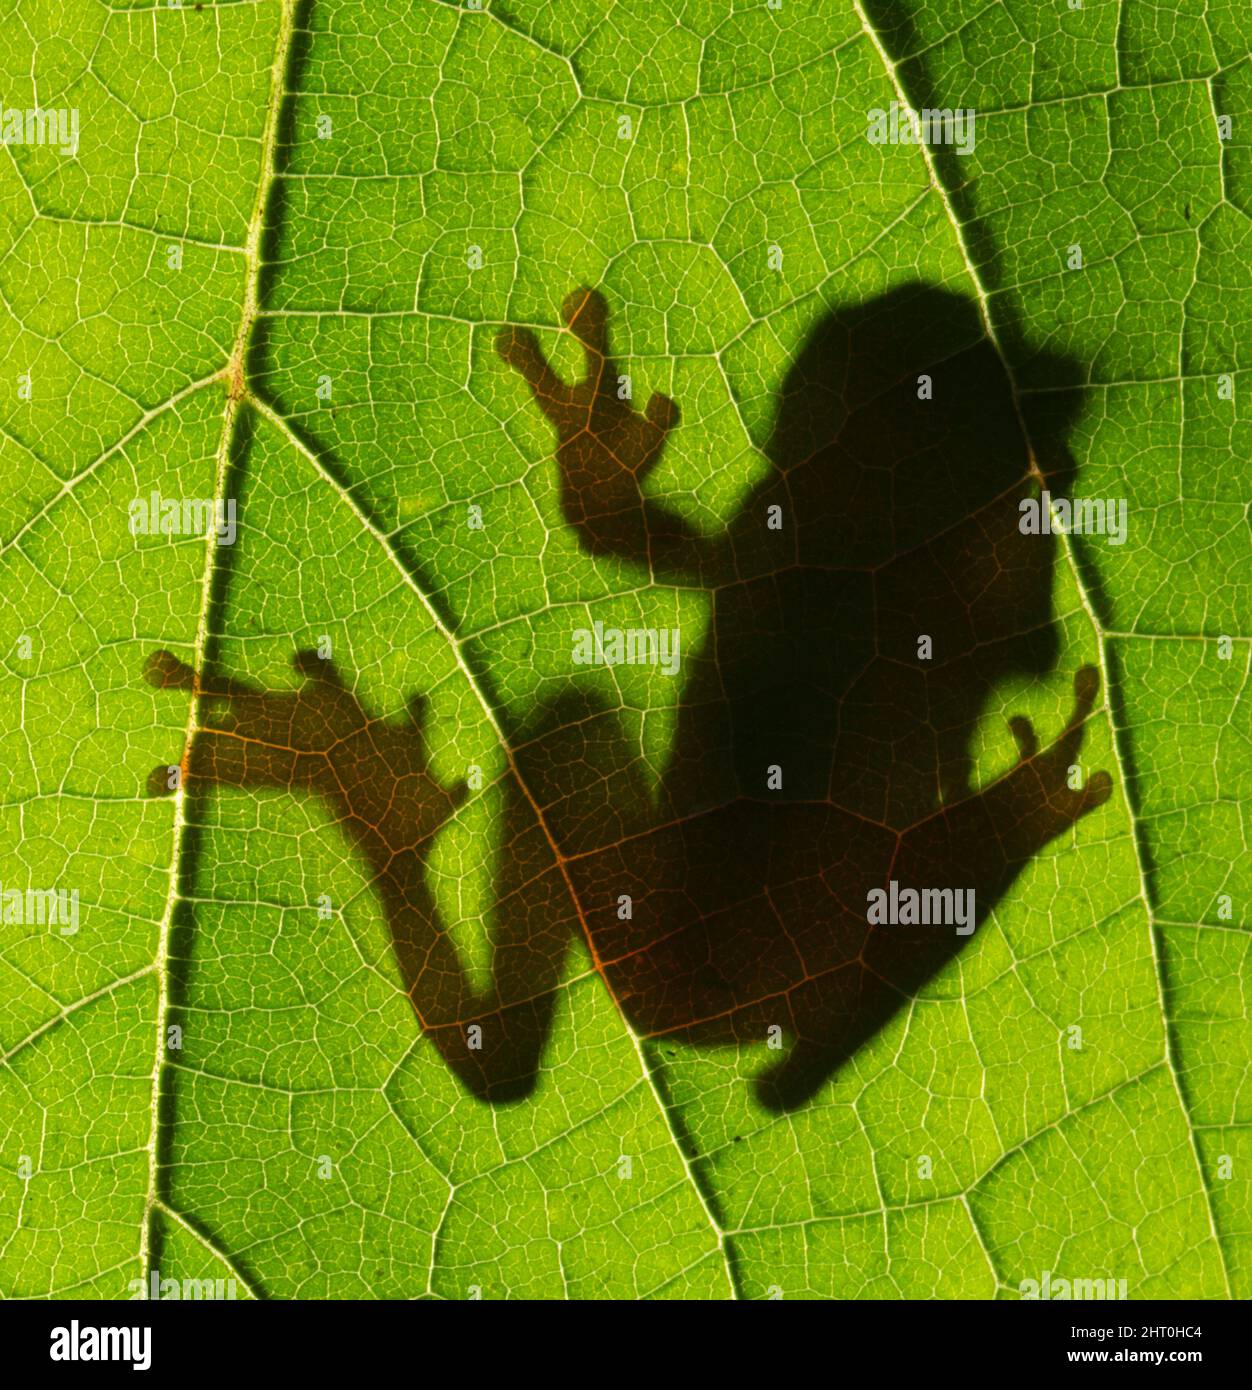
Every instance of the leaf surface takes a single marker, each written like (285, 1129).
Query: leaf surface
(363, 198)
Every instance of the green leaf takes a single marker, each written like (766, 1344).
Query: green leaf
(304, 257)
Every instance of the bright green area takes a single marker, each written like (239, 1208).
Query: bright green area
(310, 1142)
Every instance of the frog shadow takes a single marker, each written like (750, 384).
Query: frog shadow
(863, 606)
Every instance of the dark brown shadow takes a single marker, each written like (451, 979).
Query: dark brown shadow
(885, 518)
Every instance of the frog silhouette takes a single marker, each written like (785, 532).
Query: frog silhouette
(864, 603)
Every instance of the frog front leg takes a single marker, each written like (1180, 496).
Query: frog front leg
(606, 449)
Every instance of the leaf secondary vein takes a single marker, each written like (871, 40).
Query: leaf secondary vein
(1100, 636)
(235, 395)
